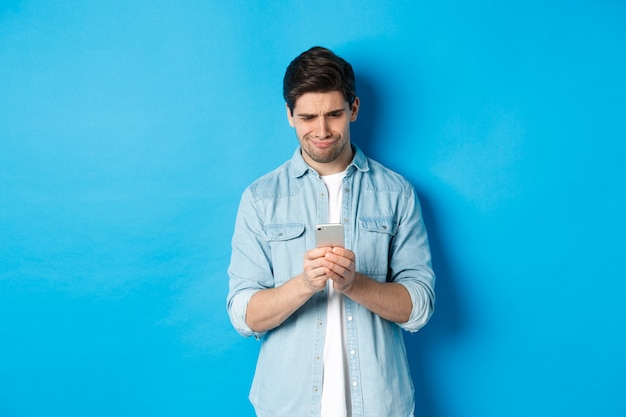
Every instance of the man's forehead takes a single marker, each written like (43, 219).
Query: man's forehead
(315, 102)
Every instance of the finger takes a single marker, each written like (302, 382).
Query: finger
(335, 270)
(346, 253)
(316, 253)
(339, 260)
(330, 274)
(318, 272)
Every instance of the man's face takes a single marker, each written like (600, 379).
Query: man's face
(322, 124)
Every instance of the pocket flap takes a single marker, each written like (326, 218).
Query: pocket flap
(288, 231)
(378, 224)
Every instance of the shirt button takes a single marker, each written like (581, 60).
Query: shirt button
(352, 352)
(346, 190)
(355, 384)
(349, 318)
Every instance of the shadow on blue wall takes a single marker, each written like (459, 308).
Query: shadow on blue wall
(361, 131)
(447, 322)
(445, 325)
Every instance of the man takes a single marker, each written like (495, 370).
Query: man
(329, 318)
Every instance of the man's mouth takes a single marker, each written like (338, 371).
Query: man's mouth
(323, 143)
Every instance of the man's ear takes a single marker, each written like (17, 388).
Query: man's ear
(355, 109)
(289, 115)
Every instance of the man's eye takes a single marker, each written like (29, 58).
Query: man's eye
(335, 115)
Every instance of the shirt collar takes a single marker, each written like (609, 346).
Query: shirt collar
(299, 167)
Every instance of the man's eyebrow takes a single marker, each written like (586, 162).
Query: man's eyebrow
(339, 110)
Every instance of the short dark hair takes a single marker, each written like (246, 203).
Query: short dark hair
(318, 70)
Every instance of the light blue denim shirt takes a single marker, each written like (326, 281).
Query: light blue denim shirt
(384, 228)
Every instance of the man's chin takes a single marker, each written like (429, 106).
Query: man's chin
(324, 157)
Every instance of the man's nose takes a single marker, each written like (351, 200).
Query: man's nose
(322, 129)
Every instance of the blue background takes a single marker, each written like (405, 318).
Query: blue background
(128, 131)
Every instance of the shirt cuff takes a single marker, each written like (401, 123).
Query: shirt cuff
(423, 306)
(237, 313)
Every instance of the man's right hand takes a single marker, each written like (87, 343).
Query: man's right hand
(270, 307)
(314, 274)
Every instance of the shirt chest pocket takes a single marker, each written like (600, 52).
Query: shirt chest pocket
(287, 247)
(375, 236)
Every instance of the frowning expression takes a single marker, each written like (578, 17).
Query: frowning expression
(322, 124)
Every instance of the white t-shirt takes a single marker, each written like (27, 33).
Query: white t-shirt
(335, 387)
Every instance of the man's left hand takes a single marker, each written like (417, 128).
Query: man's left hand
(340, 266)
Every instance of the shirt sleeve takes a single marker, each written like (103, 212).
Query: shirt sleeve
(250, 266)
(410, 262)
